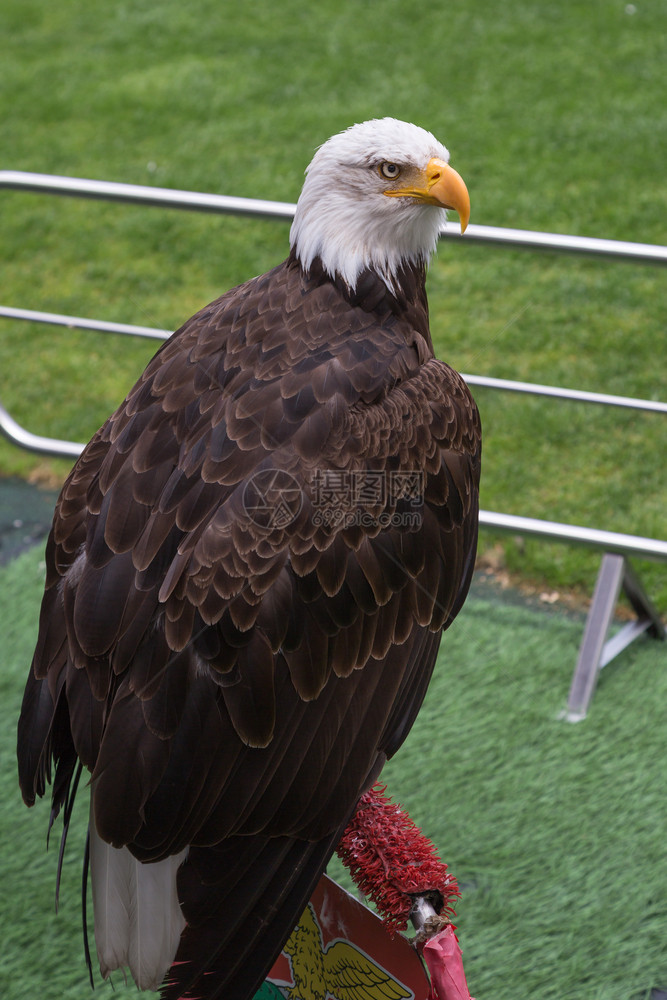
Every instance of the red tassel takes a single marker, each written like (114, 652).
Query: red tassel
(391, 861)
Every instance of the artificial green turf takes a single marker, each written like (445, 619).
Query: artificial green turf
(555, 831)
(555, 115)
(42, 952)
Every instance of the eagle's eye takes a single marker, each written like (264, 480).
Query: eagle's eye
(389, 170)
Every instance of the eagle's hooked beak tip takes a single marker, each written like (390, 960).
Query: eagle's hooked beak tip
(447, 188)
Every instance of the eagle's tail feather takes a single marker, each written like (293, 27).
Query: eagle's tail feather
(138, 921)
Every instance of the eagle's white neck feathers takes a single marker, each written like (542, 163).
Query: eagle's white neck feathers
(342, 215)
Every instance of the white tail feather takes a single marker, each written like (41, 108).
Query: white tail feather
(138, 921)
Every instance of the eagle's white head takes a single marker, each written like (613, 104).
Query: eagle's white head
(375, 197)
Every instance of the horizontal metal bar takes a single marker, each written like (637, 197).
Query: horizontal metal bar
(35, 442)
(80, 323)
(558, 392)
(528, 239)
(607, 541)
(142, 194)
(196, 201)
(484, 381)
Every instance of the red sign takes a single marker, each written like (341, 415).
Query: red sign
(339, 950)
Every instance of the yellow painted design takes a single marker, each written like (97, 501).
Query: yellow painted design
(338, 972)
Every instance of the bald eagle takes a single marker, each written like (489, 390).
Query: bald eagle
(248, 574)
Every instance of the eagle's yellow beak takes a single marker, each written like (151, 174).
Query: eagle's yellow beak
(438, 184)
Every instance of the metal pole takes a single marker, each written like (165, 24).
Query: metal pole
(80, 323)
(143, 194)
(484, 381)
(200, 202)
(608, 541)
(34, 442)
(526, 239)
(557, 392)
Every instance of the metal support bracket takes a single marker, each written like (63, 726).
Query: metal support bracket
(596, 650)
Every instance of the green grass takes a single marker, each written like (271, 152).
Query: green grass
(555, 831)
(555, 115)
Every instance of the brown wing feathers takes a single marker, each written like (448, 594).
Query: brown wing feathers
(226, 673)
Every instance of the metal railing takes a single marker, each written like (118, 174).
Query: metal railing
(617, 546)
(194, 201)
(609, 541)
(491, 235)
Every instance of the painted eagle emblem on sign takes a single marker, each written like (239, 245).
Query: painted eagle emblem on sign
(338, 972)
